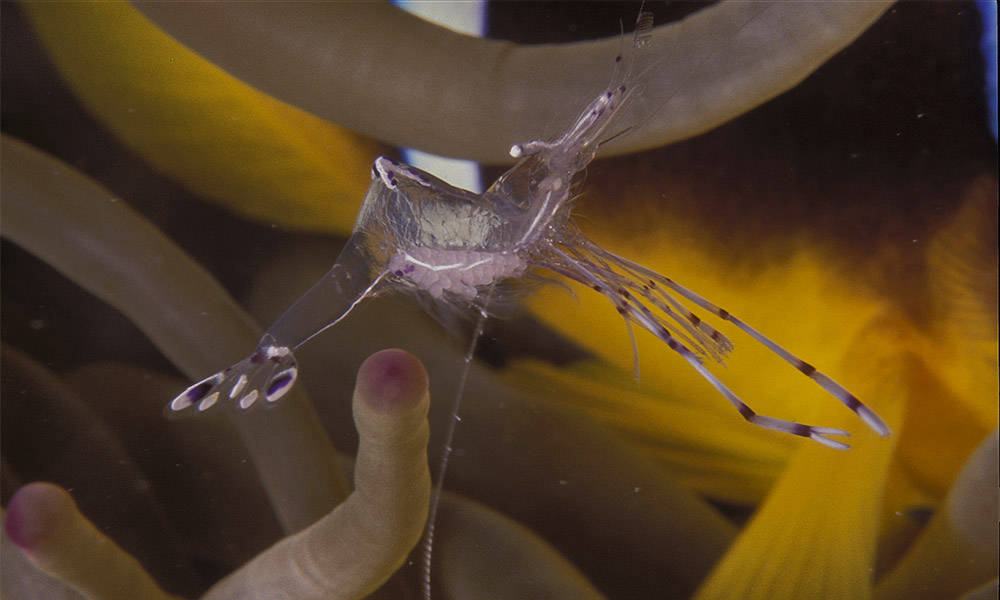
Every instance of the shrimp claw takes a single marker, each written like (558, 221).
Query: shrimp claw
(267, 374)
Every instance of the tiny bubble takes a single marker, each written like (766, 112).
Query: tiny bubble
(637, 489)
(131, 110)
(36, 324)
(915, 240)
(921, 115)
(563, 482)
(899, 513)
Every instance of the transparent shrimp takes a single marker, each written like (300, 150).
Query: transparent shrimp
(454, 248)
(458, 251)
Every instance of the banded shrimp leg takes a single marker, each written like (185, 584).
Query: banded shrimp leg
(593, 266)
(825, 381)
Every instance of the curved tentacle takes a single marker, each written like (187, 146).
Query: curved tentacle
(375, 83)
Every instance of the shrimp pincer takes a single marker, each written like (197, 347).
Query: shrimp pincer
(457, 250)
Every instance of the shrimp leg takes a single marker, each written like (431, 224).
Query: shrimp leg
(632, 310)
(826, 382)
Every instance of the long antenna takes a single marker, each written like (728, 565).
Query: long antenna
(446, 453)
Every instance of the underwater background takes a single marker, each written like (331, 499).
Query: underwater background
(853, 218)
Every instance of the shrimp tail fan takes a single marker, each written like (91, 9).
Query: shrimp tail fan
(259, 379)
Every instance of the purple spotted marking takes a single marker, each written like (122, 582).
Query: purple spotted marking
(196, 393)
(281, 384)
(806, 368)
(802, 430)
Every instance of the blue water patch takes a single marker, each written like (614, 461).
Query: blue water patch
(464, 17)
(988, 46)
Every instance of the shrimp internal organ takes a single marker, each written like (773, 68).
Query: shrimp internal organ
(459, 272)
(415, 232)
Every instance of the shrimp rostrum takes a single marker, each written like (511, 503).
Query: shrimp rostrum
(453, 247)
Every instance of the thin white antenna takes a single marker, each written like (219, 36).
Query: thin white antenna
(446, 452)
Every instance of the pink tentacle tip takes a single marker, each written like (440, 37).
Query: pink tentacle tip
(392, 380)
(34, 513)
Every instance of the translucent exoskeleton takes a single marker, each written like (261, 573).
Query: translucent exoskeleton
(457, 249)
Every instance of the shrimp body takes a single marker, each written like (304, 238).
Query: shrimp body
(416, 232)
(511, 221)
